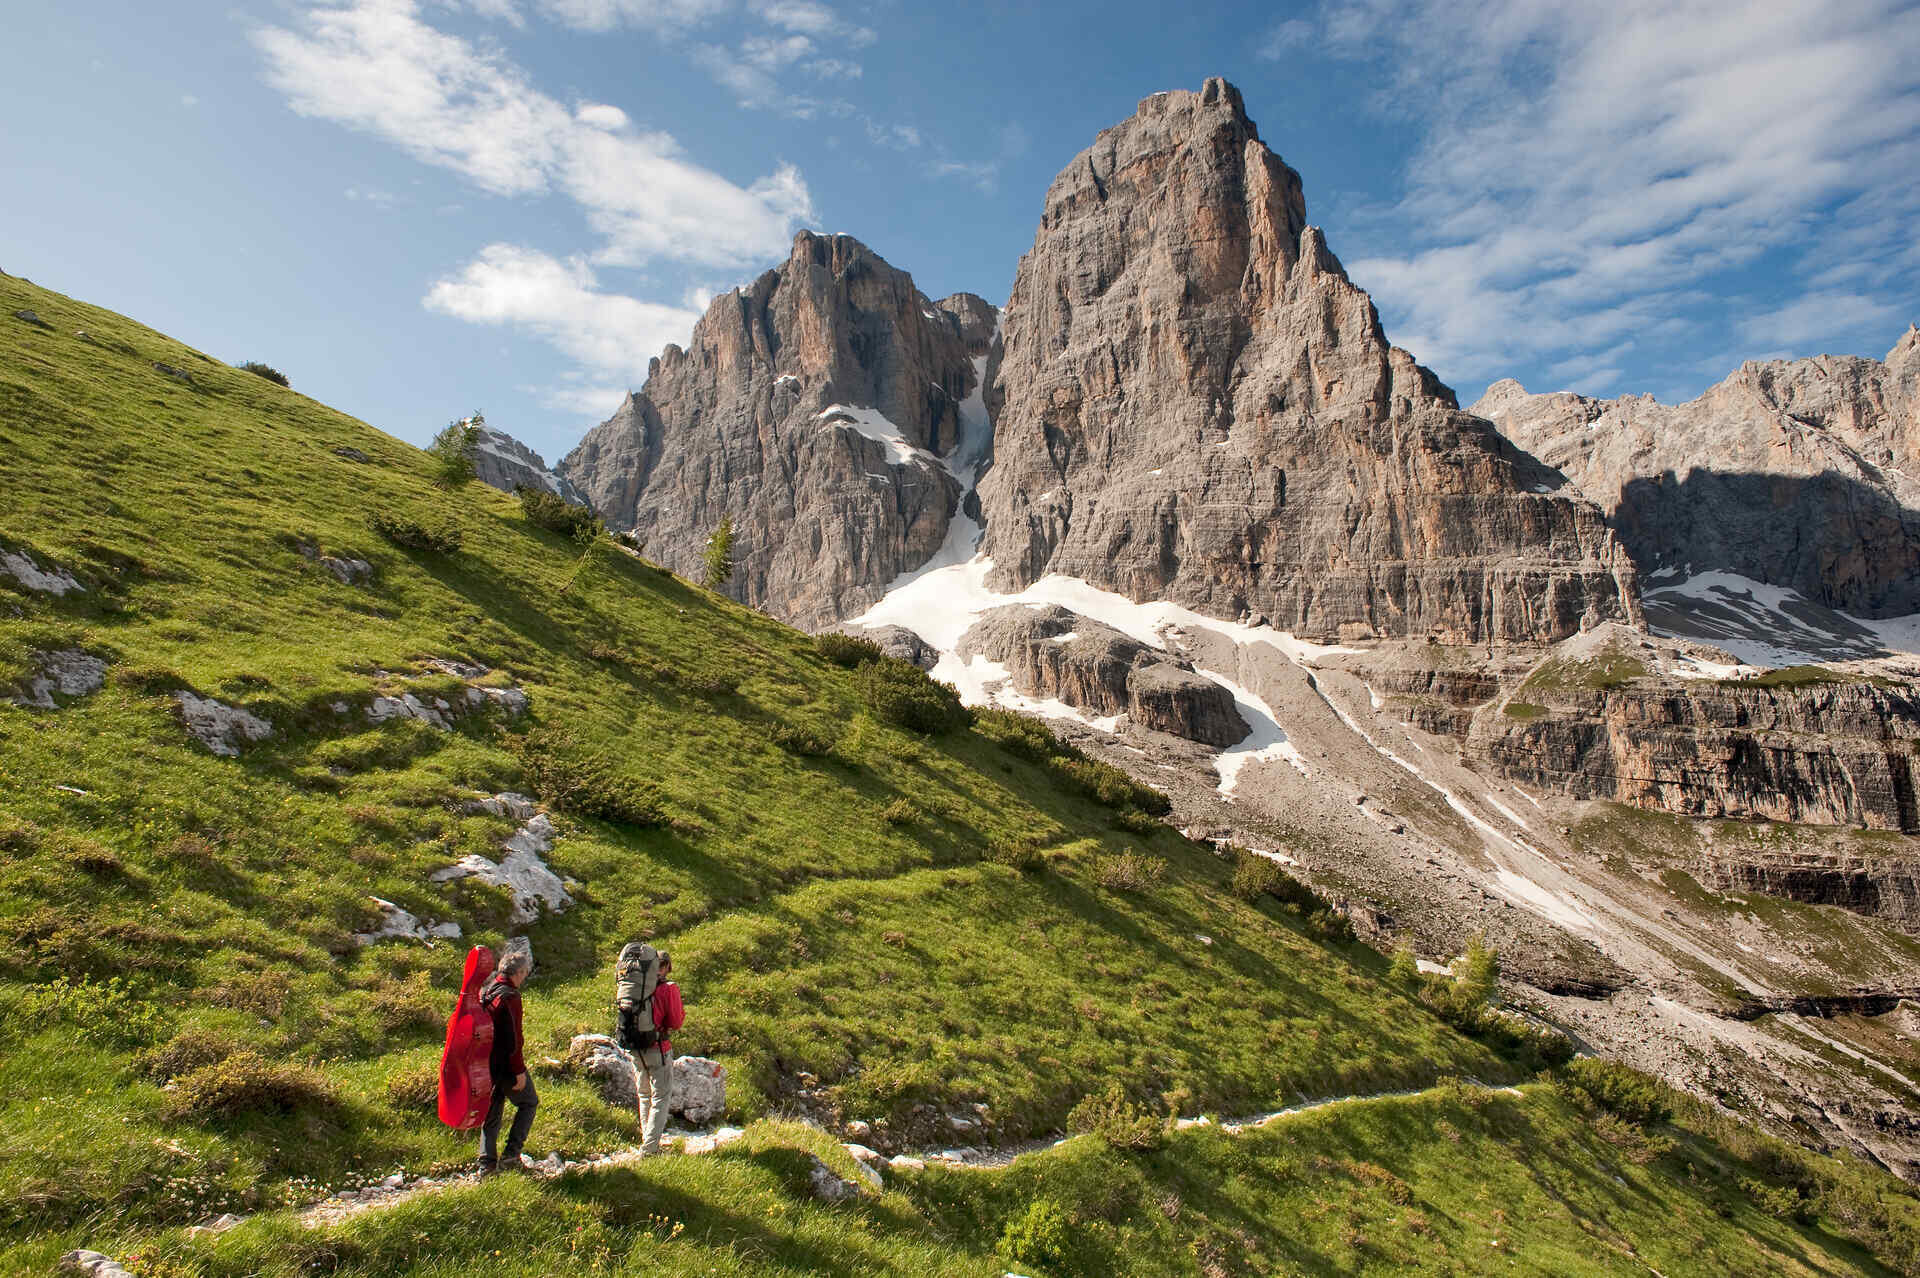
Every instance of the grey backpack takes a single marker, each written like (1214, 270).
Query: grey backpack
(636, 974)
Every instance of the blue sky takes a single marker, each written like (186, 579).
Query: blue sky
(416, 208)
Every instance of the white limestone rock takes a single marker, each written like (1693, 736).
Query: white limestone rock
(399, 924)
(54, 580)
(69, 672)
(219, 727)
(522, 871)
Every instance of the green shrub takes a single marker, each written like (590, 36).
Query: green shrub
(441, 537)
(1106, 784)
(1128, 872)
(190, 1049)
(798, 738)
(903, 695)
(846, 650)
(585, 781)
(1779, 1202)
(1116, 1120)
(900, 812)
(1024, 735)
(1038, 1237)
(1404, 971)
(556, 514)
(414, 1087)
(1254, 876)
(453, 451)
(105, 1011)
(1621, 1090)
(1134, 821)
(267, 371)
(245, 1083)
(1023, 852)
(718, 555)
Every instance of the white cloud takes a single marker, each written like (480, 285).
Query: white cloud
(371, 195)
(605, 15)
(752, 76)
(188, 100)
(601, 116)
(1283, 38)
(561, 302)
(810, 18)
(897, 137)
(1584, 171)
(374, 66)
(1802, 324)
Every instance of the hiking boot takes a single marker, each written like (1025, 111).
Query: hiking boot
(487, 1167)
(515, 1164)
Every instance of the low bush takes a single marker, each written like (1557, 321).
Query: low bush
(1134, 821)
(584, 781)
(900, 812)
(1778, 1201)
(556, 514)
(191, 1049)
(1130, 871)
(440, 538)
(1024, 735)
(1023, 852)
(798, 738)
(711, 683)
(105, 1011)
(267, 371)
(903, 695)
(414, 1087)
(1106, 784)
(846, 650)
(1037, 1238)
(245, 1083)
(1254, 876)
(1116, 1120)
(1621, 1090)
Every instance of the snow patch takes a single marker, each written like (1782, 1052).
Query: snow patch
(1768, 625)
(872, 423)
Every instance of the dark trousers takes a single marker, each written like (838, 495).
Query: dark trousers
(525, 1101)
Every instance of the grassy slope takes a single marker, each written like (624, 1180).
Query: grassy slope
(892, 962)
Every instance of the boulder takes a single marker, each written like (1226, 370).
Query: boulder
(898, 641)
(68, 671)
(29, 317)
(54, 581)
(92, 1263)
(219, 727)
(699, 1084)
(522, 871)
(823, 1184)
(1052, 652)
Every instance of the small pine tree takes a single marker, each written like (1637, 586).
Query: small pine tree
(1405, 971)
(452, 451)
(719, 554)
(1476, 977)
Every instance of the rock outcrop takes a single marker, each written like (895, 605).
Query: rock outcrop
(1829, 751)
(814, 407)
(1194, 403)
(67, 671)
(1885, 887)
(1801, 473)
(1049, 651)
(504, 462)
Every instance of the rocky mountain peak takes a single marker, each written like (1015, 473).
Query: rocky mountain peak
(1195, 403)
(813, 406)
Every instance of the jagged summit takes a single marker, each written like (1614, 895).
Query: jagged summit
(1799, 473)
(1194, 403)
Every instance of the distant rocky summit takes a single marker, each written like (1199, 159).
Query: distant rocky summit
(1802, 473)
(504, 462)
(1195, 404)
(818, 408)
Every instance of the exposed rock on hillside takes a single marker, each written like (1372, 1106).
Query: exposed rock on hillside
(1801, 473)
(504, 462)
(1608, 724)
(814, 407)
(1197, 405)
(1051, 652)
(68, 671)
(1883, 887)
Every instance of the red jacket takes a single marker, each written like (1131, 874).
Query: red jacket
(668, 1013)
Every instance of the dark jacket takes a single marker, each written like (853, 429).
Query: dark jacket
(502, 1003)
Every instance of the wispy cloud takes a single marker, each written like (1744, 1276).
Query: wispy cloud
(376, 67)
(1583, 170)
(982, 172)
(752, 74)
(608, 334)
(1283, 38)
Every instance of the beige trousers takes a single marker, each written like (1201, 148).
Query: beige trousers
(653, 1084)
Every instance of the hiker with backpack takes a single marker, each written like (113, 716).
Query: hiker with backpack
(647, 1008)
(506, 1063)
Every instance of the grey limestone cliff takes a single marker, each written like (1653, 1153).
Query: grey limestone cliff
(815, 408)
(1195, 403)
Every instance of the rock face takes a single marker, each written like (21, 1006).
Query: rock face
(1828, 753)
(1883, 887)
(1195, 404)
(1802, 473)
(504, 462)
(1050, 651)
(813, 407)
